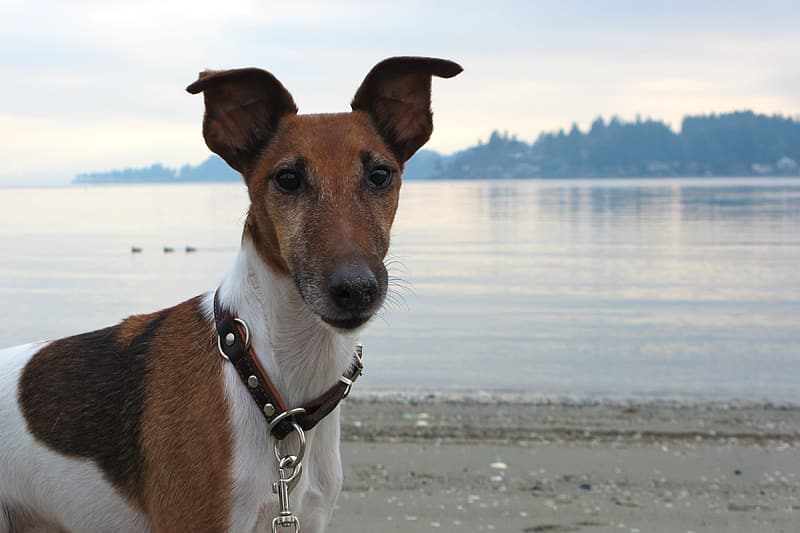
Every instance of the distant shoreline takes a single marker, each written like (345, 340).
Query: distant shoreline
(741, 143)
(583, 180)
(743, 177)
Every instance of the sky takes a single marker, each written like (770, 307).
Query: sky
(94, 85)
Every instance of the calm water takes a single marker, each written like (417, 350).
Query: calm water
(607, 287)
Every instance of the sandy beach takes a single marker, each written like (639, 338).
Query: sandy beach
(445, 463)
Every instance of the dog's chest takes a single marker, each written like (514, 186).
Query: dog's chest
(255, 469)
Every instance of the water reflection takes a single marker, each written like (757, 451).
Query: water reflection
(598, 282)
(562, 286)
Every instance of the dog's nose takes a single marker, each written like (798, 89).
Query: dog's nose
(353, 288)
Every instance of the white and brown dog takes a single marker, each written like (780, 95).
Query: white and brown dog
(143, 426)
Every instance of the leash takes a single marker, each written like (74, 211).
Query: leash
(233, 341)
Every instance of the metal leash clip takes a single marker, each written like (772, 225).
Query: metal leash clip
(282, 487)
(289, 469)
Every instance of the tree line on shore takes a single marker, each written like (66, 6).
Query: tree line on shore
(741, 143)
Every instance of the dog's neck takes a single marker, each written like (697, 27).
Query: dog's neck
(302, 355)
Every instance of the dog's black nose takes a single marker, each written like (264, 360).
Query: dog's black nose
(353, 288)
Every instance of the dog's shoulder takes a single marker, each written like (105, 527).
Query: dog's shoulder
(116, 395)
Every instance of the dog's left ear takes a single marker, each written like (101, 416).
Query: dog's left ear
(397, 96)
(243, 110)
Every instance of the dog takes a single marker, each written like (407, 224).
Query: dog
(187, 419)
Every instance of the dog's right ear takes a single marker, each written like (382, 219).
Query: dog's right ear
(243, 110)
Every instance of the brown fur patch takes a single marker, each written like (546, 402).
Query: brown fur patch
(145, 401)
(187, 436)
(338, 215)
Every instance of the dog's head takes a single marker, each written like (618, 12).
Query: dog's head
(323, 188)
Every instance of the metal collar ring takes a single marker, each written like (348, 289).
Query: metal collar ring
(246, 338)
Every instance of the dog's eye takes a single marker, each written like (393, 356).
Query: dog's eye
(380, 177)
(287, 181)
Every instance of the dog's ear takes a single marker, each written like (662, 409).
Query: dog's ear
(397, 96)
(243, 110)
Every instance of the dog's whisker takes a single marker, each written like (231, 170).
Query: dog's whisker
(394, 263)
(382, 317)
(396, 300)
(399, 288)
(400, 282)
(390, 305)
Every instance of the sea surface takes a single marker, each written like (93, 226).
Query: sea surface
(658, 288)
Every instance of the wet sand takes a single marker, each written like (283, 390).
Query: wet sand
(434, 463)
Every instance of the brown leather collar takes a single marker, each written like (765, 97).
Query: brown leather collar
(234, 344)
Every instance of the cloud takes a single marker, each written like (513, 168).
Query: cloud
(95, 83)
(61, 149)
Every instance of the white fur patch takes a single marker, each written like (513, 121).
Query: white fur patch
(54, 490)
(303, 358)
